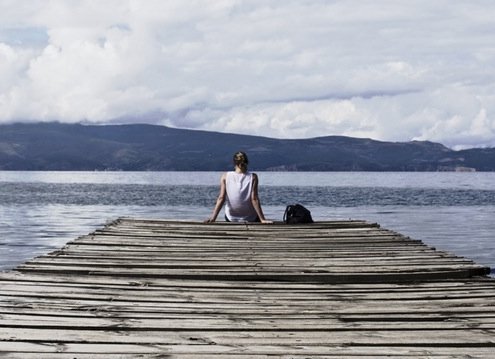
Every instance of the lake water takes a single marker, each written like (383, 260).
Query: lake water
(41, 211)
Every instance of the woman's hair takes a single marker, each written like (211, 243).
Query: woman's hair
(241, 160)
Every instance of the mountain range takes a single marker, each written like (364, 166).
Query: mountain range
(141, 147)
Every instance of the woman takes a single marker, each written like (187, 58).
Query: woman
(239, 192)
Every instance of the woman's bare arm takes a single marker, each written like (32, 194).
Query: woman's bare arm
(220, 200)
(255, 200)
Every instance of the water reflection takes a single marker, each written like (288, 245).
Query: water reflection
(445, 180)
(27, 231)
(464, 231)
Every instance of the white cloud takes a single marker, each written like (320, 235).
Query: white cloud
(383, 69)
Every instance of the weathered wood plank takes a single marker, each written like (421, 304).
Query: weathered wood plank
(425, 353)
(310, 275)
(60, 278)
(258, 266)
(326, 338)
(198, 323)
(338, 293)
(16, 350)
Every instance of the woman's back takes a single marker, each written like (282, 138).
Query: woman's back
(238, 202)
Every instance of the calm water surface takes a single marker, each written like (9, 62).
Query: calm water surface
(41, 211)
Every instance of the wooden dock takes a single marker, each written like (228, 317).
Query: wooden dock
(163, 289)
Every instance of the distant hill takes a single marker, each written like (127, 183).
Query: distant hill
(55, 146)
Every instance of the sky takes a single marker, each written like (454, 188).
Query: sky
(392, 70)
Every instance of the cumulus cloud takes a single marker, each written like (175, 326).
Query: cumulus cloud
(382, 69)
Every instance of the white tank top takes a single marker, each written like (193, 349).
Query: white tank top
(238, 206)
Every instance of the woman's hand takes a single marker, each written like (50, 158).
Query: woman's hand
(266, 221)
(209, 220)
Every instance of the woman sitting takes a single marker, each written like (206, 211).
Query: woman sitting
(239, 192)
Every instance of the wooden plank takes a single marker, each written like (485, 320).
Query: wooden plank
(425, 353)
(287, 306)
(308, 275)
(327, 266)
(238, 338)
(340, 292)
(159, 311)
(130, 350)
(124, 282)
(219, 322)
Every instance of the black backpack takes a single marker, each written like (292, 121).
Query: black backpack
(296, 213)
